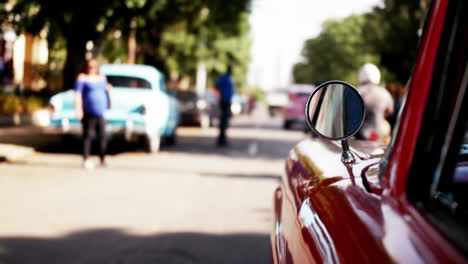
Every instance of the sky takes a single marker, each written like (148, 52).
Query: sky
(279, 29)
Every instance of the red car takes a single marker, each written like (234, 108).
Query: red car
(293, 112)
(355, 203)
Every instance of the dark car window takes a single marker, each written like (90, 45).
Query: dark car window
(128, 82)
(438, 177)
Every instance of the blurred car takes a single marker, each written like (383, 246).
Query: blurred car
(141, 108)
(239, 104)
(276, 101)
(196, 109)
(360, 202)
(293, 112)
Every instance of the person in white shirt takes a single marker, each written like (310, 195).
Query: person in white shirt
(378, 104)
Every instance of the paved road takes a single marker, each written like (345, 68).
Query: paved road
(191, 203)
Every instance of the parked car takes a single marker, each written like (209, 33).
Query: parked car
(293, 112)
(197, 109)
(276, 101)
(351, 202)
(239, 104)
(141, 108)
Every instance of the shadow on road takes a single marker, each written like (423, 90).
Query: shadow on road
(46, 142)
(248, 140)
(116, 246)
(245, 176)
(73, 145)
(273, 149)
(246, 147)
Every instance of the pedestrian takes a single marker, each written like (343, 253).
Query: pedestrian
(378, 104)
(225, 86)
(91, 101)
(2, 69)
(251, 104)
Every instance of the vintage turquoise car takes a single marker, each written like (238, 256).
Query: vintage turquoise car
(141, 107)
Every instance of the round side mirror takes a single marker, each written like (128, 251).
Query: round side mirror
(335, 110)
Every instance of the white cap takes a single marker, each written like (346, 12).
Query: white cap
(369, 73)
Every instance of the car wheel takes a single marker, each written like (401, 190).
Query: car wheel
(287, 125)
(172, 139)
(152, 143)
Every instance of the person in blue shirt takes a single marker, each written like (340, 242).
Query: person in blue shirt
(225, 86)
(91, 101)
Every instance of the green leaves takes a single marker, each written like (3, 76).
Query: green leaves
(392, 32)
(172, 35)
(386, 36)
(336, 54)
(180, 33)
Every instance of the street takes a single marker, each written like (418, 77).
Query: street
(190, 203)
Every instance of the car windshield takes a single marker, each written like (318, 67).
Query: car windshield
(128, 82)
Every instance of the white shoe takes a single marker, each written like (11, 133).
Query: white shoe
(88, 164)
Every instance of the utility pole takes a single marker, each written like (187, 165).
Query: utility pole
(131, 44)
(201, 77)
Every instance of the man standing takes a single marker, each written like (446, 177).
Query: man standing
(225, 86)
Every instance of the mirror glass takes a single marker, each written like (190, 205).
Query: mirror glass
(335, 110)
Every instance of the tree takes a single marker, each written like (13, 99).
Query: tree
(78, 21)
(187, 29)
(392, 32)
(153, 21)
(337, 53)
(183, 49)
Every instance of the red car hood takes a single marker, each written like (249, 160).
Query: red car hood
(321, 158)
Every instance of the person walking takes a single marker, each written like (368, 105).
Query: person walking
(91, 101)
(225, 86)
(378, 104)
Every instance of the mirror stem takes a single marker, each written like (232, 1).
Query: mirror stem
(347, 156)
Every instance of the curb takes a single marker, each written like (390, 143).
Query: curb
(12, 153)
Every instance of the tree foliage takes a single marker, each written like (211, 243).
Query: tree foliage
(76, 21)
(171, 34)
(392, 32)
(337, 53)
(187, 31)
(386, 36)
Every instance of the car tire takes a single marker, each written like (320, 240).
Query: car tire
(287, 125)
(271, 111)
(172, 139)
(152, 143)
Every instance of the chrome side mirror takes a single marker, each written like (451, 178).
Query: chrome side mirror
(335, 111)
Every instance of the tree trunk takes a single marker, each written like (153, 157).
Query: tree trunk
(151, 54)
(200, 85)
(76, 57)
(159, 63)
(131, 43)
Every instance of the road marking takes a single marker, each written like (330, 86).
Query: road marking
(253, 146)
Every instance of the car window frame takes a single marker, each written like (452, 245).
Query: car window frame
(442, 130)
(130, 77)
